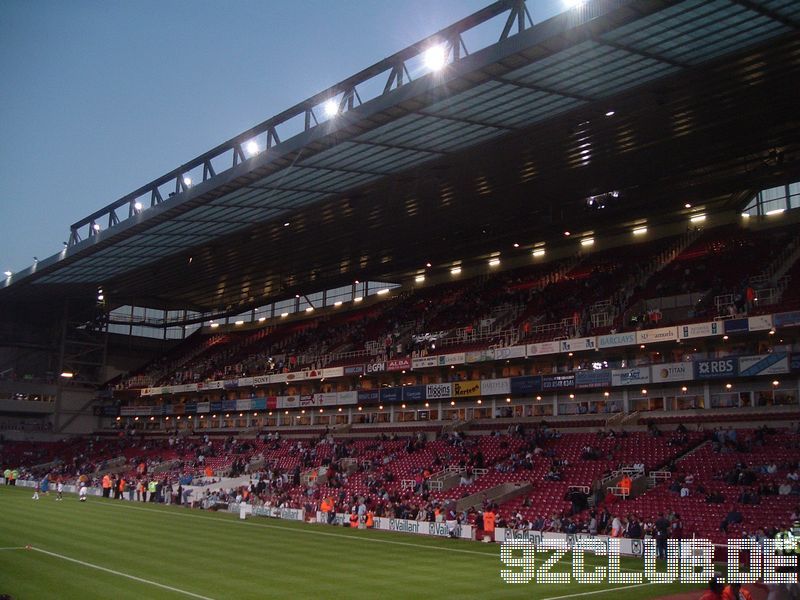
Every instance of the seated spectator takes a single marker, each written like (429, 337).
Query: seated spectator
(732, 518)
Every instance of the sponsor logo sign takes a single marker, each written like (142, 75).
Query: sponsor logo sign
(392, 394)
(715, 369)
(328, 399)
(434, 391)
(347, 397)
(495, 387)
(592, 379)
(543, 348)
(509, 352)
(400, 364)
(558, 382)
(613, 340)
(632, 376)
(737, 326)
(759, 323)
(463, 389)
(787, 319)
(423, 362)
(681, 371)
(765, 364)
(480, 355)
(368, 396)
(578, 344)
(695, 330)
(650, 336)
(459, 358)
(526, 385)
(414, 393)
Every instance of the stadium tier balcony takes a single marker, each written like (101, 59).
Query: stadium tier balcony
(585, 295)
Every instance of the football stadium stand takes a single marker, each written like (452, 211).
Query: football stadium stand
(555, 287)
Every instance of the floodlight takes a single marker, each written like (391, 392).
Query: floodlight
(331, 108)
(435, 57)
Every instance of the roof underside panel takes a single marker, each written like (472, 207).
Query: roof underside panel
(696, 31)
(516, 90)
(785, 8)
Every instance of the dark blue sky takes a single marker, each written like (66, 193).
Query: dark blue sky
(99, 97)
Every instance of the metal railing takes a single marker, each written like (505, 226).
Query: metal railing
(619, 491)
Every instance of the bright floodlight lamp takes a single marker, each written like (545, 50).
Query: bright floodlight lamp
(331, 108)
(138, 206)
(574, 3)
(96, 226)
(435, 57)
(7, 273)
(252, 148)
(187, 181)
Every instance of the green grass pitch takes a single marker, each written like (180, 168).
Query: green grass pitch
(121, 550)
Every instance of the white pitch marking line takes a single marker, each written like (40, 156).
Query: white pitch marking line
(593, 592)
(113, 572)
(14, 548)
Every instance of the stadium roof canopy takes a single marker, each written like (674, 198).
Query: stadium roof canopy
(661, 102)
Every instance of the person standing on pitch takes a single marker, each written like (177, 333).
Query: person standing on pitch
(59, 490)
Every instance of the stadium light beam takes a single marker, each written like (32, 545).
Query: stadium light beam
(252, 148)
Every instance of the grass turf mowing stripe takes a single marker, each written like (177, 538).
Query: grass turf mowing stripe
(247, 560)
(120, 574)
(358, 536)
